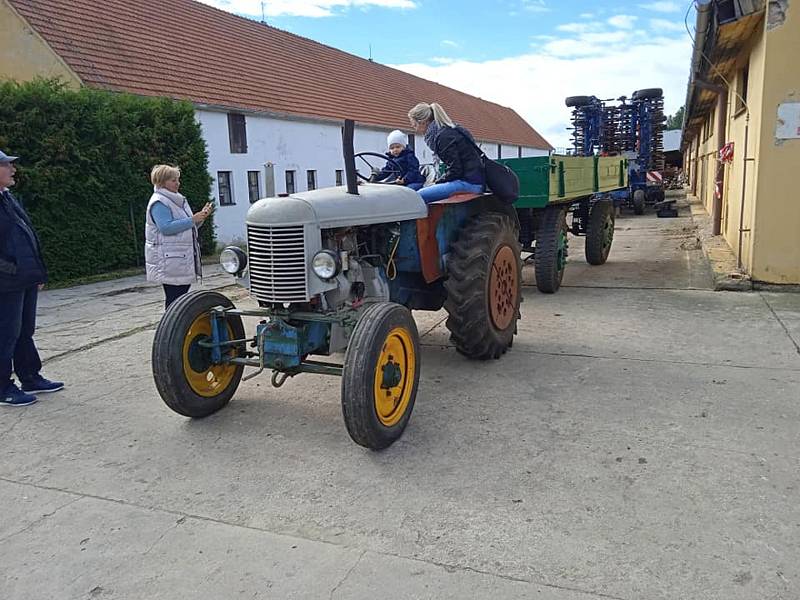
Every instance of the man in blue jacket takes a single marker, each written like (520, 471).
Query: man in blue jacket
(22, 275)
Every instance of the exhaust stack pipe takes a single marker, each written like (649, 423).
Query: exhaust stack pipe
(349, 161)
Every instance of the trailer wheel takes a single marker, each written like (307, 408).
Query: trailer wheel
(578, 101)
(552, 244)
(484, 286)
(186, 377)
(647, 93)
(600, 232)
(381, 375)
(638, 202)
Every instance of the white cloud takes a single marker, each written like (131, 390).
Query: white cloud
(595, 63)
(663, 7)
(622, 21)
(535, 5)
(664, 25)
(303, 8)
(586, 16)
(576, 27)
(449, 43)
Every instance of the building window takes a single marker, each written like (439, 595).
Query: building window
(708, 126)
(519, 151)
(741, 88)
(237, 133)
(499, 151)
(412, 141)
(290, 182)
(311, 180)
(254, 185)
(225, 187)
(339, 176)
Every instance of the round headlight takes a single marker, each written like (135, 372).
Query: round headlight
(233, 260)
(325, 264)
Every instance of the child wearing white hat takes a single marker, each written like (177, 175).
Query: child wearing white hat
(407, 163)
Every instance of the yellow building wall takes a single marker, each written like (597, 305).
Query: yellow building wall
(25, 55)
(707, 158)
(736, 175)
(776, 226)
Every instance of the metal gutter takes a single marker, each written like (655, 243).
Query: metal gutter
(703, 8)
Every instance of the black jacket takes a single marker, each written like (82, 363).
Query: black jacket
(454, 147)
(21, 263)
(409, 167)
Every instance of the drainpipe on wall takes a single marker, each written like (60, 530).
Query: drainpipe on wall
(716, 207)
(745, 160)
(703, 8)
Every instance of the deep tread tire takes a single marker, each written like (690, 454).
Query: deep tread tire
(598, 245)
(358, 380)
(577, 101)
(549, 266)
(168, 359)
(646, 93)
(638, 202)
(468, 295)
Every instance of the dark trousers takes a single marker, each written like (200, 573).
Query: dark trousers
(172, 293)
(17, 324)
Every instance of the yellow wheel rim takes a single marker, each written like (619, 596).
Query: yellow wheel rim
(394, 376)
(204, 377)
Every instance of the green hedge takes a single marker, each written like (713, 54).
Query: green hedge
(84, 169)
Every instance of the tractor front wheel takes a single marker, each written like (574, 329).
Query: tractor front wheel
(600, 232)
(551, 249)
(188, 379)
(484, 286)
(381, 375)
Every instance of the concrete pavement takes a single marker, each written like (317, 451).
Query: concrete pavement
(640, 441)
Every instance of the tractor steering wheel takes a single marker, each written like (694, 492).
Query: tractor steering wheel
(394, 169)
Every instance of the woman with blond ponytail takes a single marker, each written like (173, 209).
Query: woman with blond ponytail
(455, 148)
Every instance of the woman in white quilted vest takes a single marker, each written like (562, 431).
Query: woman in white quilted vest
(172, 248)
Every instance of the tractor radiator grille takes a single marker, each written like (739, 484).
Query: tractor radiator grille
(277, 259)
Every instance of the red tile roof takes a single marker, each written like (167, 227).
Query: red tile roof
(188, 50)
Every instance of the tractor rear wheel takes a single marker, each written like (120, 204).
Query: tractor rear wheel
(638, 202)
(185, 374)
(484, 286)
(550, 258)
(381, 375)
(600, 232)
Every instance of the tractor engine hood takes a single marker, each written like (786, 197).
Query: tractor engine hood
(333, 207)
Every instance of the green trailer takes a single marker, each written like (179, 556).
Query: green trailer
(553, 188)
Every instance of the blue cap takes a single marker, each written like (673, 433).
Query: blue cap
(5, 158)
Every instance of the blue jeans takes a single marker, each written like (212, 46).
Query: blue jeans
(440, 191)
(17, 324)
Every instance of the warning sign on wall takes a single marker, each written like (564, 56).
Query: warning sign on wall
(788, 127)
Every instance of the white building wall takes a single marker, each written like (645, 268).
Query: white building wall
(290, 145)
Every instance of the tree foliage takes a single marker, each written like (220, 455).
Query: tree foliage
(675, 121)
(84, 169)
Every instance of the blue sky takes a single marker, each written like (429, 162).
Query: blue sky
(527, 54)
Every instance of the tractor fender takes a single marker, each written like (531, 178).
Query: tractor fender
(490, 203)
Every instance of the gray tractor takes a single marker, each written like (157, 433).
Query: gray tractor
(339, 270)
